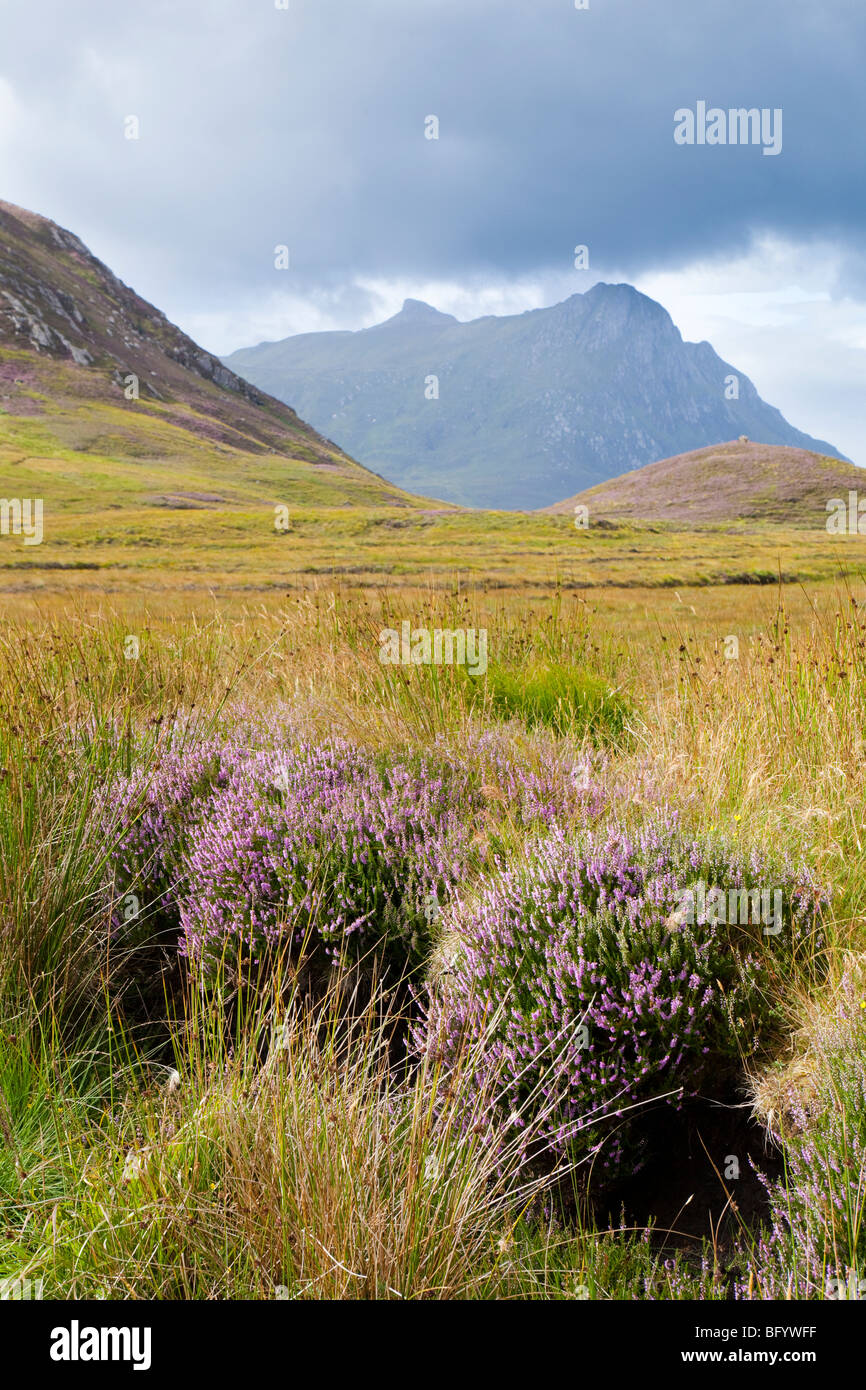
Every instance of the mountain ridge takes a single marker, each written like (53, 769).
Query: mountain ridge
(530, 406)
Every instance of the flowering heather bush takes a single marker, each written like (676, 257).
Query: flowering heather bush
(239, 848)
(538, 781)
(591, 992)
(329, 838)
(816, 1243)
(157, 812)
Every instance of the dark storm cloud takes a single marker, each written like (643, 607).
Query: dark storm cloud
(261, 126)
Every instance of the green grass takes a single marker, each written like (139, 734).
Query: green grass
(562, 698)
(117, 483)
(115, 1184)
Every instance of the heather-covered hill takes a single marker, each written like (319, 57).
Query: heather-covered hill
(740, 480)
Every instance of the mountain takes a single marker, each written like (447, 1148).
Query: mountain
(530, 407)
(737, 481)
(73, 337)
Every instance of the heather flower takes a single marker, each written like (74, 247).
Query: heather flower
(240, 847)
(327, 839)
(577, 999)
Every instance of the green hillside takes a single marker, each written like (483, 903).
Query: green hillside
(105, 405)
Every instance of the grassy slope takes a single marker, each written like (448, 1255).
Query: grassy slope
(120, 478)
(151, 504)
(138, 501)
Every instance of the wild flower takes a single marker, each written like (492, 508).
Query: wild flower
(241, 849)
(593, 1000)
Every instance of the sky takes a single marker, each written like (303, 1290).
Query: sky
(303, 124)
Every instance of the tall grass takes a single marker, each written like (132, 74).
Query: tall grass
(317, 1168)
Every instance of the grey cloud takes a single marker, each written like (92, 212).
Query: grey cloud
(260, 126)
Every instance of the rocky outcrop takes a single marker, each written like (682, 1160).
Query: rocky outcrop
(60, 303)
